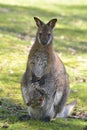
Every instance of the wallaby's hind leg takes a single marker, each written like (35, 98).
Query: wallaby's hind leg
(59, 107)
(67, 110)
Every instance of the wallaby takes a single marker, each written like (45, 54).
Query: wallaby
(45, 84)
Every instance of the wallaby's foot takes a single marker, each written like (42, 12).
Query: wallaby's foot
(24, 117)
(67, 110)
(46, 119)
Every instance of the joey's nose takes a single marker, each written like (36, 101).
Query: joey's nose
(44, 42)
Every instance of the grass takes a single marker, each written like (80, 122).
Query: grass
(17, 29)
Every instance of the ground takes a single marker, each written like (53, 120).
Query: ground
(17, 32)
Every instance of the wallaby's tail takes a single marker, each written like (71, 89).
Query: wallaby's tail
(67, 110)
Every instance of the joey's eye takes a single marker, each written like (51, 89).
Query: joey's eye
(40, 34)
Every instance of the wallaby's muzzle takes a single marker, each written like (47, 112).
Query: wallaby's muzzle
(44, 42)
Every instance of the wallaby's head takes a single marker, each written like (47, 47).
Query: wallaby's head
(44, 33)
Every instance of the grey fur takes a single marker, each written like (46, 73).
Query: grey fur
(48, 98)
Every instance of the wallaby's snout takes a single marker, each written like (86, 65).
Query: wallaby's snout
(44, 33)
(44, 42)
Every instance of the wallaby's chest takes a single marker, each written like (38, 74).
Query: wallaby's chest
(39, 63)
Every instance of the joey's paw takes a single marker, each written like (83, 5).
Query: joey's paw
(24, 117)
(28, 104)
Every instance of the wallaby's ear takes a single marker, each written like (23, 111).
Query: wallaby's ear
(39, 23)
(52, 23)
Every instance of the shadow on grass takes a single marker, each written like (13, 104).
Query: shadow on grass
(72, 48)
(9, 109)
(10, 112)
(18, 20)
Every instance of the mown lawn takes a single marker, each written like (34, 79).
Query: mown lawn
(17, 31)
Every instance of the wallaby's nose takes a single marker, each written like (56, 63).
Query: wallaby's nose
(44, 42)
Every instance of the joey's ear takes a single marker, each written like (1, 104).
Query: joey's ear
(39, 23)
(52, 23)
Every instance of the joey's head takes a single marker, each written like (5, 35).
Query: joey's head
(37, 98)
(45, 31)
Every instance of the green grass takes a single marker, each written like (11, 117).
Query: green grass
(17, 29)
